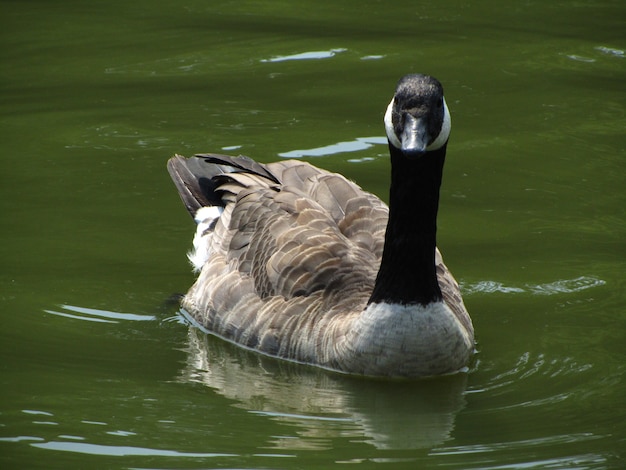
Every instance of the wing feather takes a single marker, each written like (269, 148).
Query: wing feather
(294, 246)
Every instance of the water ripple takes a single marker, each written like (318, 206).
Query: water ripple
(95, 315)
(495, 455)
(528, 366)
(20, 439)
(611, 51)
(356, 145)
(121, 451)
(562, 286)
(528, 443)
(37, 412)
(312, 55)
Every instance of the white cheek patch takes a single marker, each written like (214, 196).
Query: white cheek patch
(391, 135)
(442, 138)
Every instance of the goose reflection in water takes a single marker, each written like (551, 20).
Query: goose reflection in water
(325, 405)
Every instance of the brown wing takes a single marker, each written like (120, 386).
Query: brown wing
(294, 244)
(451, 293)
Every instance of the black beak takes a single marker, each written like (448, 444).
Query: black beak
(413, 137)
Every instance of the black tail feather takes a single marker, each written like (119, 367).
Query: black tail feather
(195, 187)
(240, 163)
(197, 178)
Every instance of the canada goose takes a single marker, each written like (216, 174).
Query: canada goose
(299, 263)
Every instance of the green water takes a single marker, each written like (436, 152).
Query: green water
(98, 371)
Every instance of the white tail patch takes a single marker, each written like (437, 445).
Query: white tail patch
(206, 218)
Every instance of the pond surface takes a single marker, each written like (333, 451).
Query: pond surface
(97, 368)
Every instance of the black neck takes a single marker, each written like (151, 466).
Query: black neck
(407, 273)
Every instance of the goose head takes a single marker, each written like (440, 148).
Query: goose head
(417, 120)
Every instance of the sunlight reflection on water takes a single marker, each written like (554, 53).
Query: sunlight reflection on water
(356, 145)
(96, 315)
(306, 55)
(96, 449)
(563, 286)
